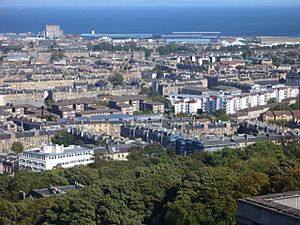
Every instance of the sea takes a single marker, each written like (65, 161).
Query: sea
(230, 21)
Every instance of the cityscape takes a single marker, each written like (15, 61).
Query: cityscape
(171, 128)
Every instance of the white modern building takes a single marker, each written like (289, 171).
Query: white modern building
(50, 156)
(231, 101)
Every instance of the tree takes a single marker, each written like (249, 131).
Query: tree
(287, 180)
(263, 149)
(204, 197)
(225, 157)
(154, 187)
(49, 103)
(221, 115)
(58, 55)
(63, 138)
(272, 100)
(253, 184)
(116, 79)
(136, 152)
(153, 150)
(171, 152)
(17, 147)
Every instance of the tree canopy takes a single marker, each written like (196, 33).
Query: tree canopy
(221, 115)
(154, 187)
(116, 79)
(17, 147)
(63, 138)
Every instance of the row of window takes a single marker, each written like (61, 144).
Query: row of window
(70, 155)
(33, 162)
(31, 155)
(75, 161)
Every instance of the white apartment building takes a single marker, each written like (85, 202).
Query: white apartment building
(191, 104)
(50, 156)
(231, 102)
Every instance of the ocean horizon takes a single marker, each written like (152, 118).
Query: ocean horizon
(230, 21)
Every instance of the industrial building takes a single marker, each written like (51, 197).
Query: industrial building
(192, 37)
(53, 32)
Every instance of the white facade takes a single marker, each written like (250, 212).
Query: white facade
(190, 104)
(48, 157)
(231, 102)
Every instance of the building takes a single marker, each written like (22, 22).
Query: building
(118, 153)
(53, 32)
(50, 156)
(109, 128)
(192, 37)
(155, 107)
(93, 35)
(293, 79)
(284, 115)
(195, 90)
(29, 139)
(51, 191)
(272, 209)
(232, 101)
(8, 164)
(127, 104)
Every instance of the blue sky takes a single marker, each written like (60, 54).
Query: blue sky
(147, 2)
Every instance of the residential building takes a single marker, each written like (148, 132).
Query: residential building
(117, 153)
(29, 139)
(232, 101)
(155, 107)
(9, 164)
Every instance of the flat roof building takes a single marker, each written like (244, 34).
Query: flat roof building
(272, 209)
(192, 37)
(50, 156)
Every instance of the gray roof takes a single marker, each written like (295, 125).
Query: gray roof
(44, 192)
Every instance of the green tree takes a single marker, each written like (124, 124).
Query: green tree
(225, 157)
(17, 147)
(252, 184)
(116, 79)
(221, 115)
(200, 200)
(154, 187)
(49, 103)
(136, 152)
(63, 138)
(57, 55)
(272, 100)
(154, 150)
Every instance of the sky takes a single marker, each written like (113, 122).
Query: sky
(148, 2)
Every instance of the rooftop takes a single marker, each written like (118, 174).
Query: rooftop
(49, 150)
(272, 209)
